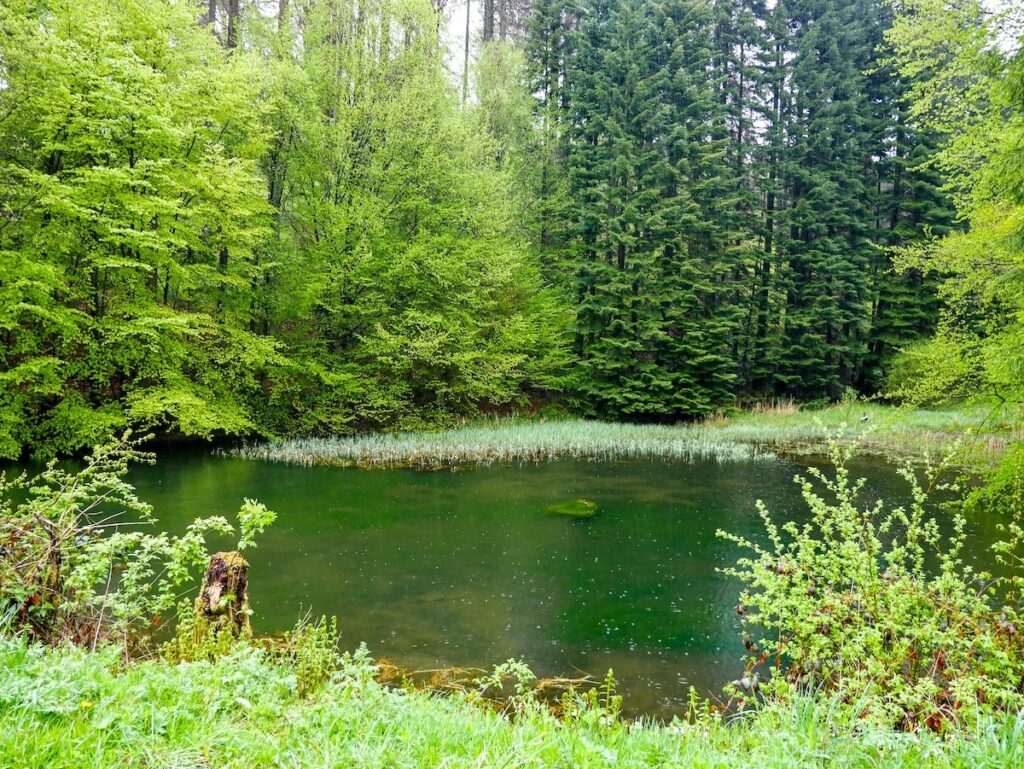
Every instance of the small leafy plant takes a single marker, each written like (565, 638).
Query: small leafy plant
(514, 673)
(600, 706)
(311, 649)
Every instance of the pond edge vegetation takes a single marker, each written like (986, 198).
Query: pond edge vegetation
(968, 433)
(818, 591)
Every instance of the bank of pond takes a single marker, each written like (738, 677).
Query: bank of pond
(574, 566)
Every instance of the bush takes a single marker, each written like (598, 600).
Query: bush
(73, 564)
(872, 605)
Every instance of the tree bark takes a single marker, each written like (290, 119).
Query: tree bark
(465, 58)
(232, 34)
(223, 602)
(488, 20)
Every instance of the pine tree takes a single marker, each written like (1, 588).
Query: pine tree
(548, 50)
(656, 257)
(616, 172)
(739, 174)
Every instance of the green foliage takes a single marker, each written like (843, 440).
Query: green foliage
(132, 208)
(69, 708)
(286, 236)
(968, 71)
(869, 603)
(415, 297)
(253, 520)
(73, 564)
(311, 649)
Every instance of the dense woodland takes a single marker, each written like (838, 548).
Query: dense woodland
(300, 218)
(225, 218)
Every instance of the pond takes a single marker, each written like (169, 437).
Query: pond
(438, 569)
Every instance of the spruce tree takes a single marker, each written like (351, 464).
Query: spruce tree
(825, 232)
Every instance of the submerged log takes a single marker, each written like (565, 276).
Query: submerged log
(223, 602)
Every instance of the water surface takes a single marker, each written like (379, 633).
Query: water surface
(435, 569)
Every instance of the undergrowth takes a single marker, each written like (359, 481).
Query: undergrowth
(66, 708)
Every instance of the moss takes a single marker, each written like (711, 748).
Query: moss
(223, 602)
(573, 508)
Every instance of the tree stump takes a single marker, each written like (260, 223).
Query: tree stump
(223, 602)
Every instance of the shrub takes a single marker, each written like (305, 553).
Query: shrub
(74, 564)
(871, 604)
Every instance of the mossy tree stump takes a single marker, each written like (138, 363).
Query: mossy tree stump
(223, 602)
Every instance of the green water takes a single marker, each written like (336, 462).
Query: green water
(465, 568)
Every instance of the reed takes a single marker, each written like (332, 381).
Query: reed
(755, 435)
(511, 441)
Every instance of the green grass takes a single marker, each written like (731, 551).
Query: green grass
(976, 433)
(509, 441)
(750, 435)
(72, 708)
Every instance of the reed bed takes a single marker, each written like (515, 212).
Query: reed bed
(511, 441)
(756, 435)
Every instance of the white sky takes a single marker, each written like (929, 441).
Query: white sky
(455, 33)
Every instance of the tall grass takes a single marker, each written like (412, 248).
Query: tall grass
(758, 434)
(68, 708)
(511, 441)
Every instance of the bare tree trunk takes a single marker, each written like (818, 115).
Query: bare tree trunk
(282, 13)
(465, 57)
(211, 13)
(502, 19)
(488, 20)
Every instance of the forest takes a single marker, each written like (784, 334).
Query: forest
(292, 222)
(613, 262)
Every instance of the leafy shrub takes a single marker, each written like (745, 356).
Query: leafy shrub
(873, 605)
(73, 564)
(357, 671)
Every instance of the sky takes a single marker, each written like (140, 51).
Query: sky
(455, 33)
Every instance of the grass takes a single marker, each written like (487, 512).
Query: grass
(978, 434)
(69, 708)
(509, 441)
(756, 434)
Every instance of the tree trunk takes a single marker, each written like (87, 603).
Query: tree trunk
(232, 35)
(465, 58)
(488, 20)
(223, 602)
